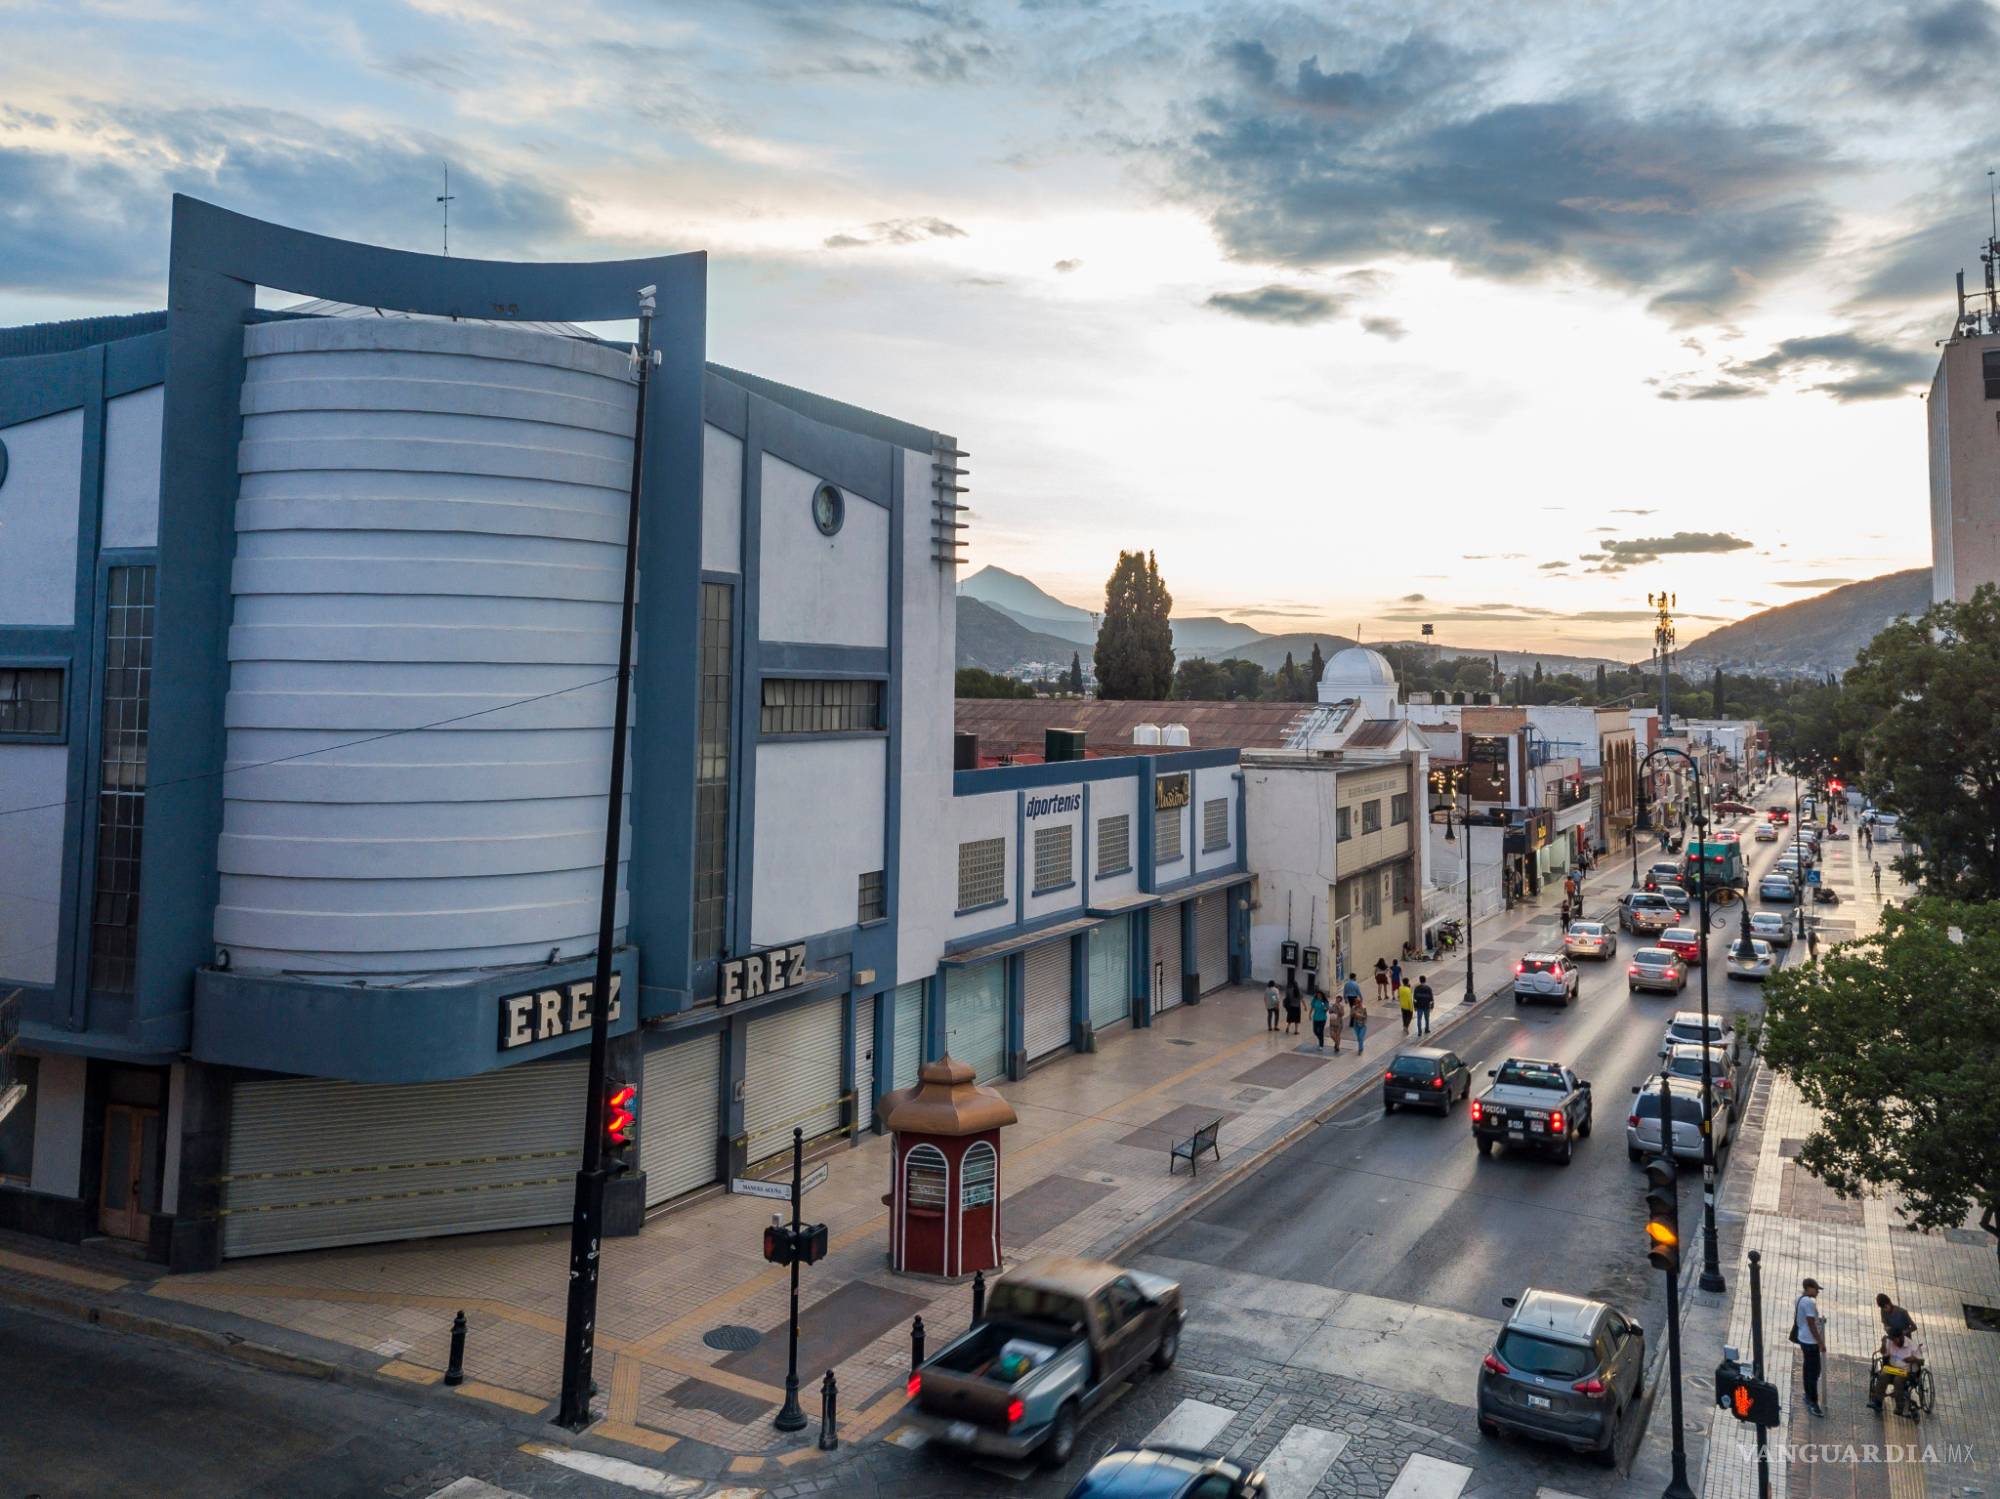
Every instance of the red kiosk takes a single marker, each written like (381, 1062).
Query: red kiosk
(944, 1185)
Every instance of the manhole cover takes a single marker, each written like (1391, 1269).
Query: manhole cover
(732, 1339)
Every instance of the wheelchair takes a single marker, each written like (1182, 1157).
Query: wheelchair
(1919, 1393)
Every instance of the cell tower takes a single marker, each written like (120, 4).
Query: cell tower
(1982, 317)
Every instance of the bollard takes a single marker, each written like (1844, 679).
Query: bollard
(916, 1345)
(978, 1296)
(454, 1372)
(828, 1439)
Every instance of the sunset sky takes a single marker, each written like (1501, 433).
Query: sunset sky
(1496, 316)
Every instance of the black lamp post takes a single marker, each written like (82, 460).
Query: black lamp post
(1451, 780)
(1711, 1259)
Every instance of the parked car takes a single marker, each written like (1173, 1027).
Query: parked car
(1564, 1369)
(1645, 911)
(1684, 942)
(1532, 1105)
(1666, 873)
(1775, 927)
(1676, 896)
(1167, 1473)
(1777, 887)
(1057, 1339)
(1425, 1077)
(1888, 825)
(1767, 832)
(1758, 964)
(1683, 1061)
(1545, 975)
(1642, 1125)
(1590, 939)
(1687, 1025)
(1656, 968)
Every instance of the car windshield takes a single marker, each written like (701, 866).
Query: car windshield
(1538, 965)
(1690, 1030)
(1019, 1302)
(1654, 956)
(1530, 1075)
(1528, 1353)
(1678, 934)
(1687, 1108)
(1414, 1066)
(1586, 929)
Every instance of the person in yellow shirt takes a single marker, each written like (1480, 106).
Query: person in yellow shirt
(1406, 1001)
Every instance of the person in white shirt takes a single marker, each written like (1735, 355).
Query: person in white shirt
(1809, 1332)
(1902, 1357)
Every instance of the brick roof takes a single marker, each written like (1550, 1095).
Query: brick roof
(1015, 725)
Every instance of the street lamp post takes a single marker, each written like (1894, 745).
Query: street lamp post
(1452, 779)
(1711, 1259)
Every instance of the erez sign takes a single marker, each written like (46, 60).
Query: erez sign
(756, 974)
(544, 1014)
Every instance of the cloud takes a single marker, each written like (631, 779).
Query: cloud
(1715, 390)
(1387, 151)
(1385, 327)
(1635, 512)
(1605, 530)
(1296, 305)
(1066, 266)
(895, 232)
(1549, 567)
(1617, 556)
(1850, 365)
(1814, 582)
(1411, 598)
(1496, 556)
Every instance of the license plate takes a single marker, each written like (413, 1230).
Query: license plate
(1413, 1097)
(1539, 1402)
(963, 1432)
(1538, 1126)
(1516, 1127)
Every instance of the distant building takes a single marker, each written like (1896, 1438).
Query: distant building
(1965, 446)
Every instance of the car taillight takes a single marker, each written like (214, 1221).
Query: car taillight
(1633, 970)
(1556, 1122)
(1388, 1077)
(1631, 1121)
(1015, 1410)
(916, 1383)
(1477, 1112)
(1492, 1365)
(1591, 1386)
(1520, 967)
(1437, 1082)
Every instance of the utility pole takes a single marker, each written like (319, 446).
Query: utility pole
(587, 1218)
(1663, 643)
(445, 200)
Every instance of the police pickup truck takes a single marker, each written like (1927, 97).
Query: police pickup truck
(1532, 1105)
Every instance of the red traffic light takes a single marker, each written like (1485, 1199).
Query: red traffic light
(778, 1244)
(812, 1243)
(619, 1118)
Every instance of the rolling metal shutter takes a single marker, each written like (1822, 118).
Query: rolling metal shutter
(1047, 1029)
(1211, 940)
(864, 1063)
(1110, 973)
(680, 1116)
(975, 1018)
(1166, 957)
(315, 1163)
(791, 1077)
(909, 1057)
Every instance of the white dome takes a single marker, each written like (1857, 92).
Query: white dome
(1357, 666)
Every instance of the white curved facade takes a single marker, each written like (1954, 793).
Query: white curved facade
(1362, 675)
(430, 525)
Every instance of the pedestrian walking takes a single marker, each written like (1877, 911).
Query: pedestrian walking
(1895, 1320)
(1878, 879)
(1382, 980)
(1292, 1009)
(1809, 1332)
(1357, 1016)
(1395, 974)
(1319, 1020)
(1423, 999)
(1350, 997)
(1406, 1003)
(1272, 996)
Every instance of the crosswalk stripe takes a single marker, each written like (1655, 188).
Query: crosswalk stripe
(613, 1469)
(473, 1488)
(1300, 1460)
(1429, 1478)
(1192, 1423)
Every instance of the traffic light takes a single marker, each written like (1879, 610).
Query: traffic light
(1728, 1380)
(1745, 1396)
(620, 1121)
(1663, 1213)
(783, 1245)
(778, 1244)
(812, 1243)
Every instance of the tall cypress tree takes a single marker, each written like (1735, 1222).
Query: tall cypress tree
(1076, 673)
(1601, 690)
(1288, 681)
(1716, 694)
(1135, 644)
(1315, 669)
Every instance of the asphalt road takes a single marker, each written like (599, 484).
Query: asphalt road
(1404, 1207)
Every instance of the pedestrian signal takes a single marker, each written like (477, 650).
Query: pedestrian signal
(620, 1121)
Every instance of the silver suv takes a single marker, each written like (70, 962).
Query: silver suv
(1545, 975)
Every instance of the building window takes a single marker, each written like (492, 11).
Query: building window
(978, 1174)
(814, 705)
(17, 1130)
(924, 1179)
(31, 700)
(1371, 817)
(121, 777)
(1989, 366)
(874, 902)
(1054, 867)
(1114, 845)
(1399, 809)
(1214, 825)
(1166, 835)
(711, 776)
(1401, 888)
(1371, 901)
(1343, 824)
(982, 873)
(1343, 899)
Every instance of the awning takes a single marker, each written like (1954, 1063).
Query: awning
(966, 957)
(1573, 817)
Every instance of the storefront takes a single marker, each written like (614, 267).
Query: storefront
(680, 1116)
(908, 1022)
(1047, 981)
(975, 1017)
(792, 1076)
(1211, 940)
(1111, 973)
(1166, 956)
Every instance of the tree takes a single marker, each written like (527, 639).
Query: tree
(1602, 691)
(1135, 644)
(1199, 681)
(1891, 1038)
(1538, 672)
(975, 681)
(1315, 671)
(1076, 673)
(1925, 698)
(1288, 681)
(1716, 707)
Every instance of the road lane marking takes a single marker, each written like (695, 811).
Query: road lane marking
(1300, 1460)
(1192, 1423)
(613, 1469)
(1429, 1478)
(472, 1488)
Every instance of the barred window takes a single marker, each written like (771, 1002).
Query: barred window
(982, 873)
(814, 705)
(1214, 825)
(1401, 901)
(874, 901)
(1054, 865)
(711, 777)
(31, 700)
(1399, 809)
(1371, 817)
(121, 777)
(977, 1175)
(1166, 835)
(925, 1177)
(1114, 844)
(1343, 824)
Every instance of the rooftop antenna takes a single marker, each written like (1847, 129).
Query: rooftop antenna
(445, 202)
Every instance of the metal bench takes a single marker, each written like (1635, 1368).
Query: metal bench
(1190, 1149)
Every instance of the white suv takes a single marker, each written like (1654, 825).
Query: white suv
(1545, 975)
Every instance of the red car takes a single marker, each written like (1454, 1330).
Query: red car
(1684, 942)
(1779, 815)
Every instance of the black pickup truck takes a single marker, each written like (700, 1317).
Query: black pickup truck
(1532, 1105)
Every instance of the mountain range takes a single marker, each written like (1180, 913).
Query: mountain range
(1816, 635)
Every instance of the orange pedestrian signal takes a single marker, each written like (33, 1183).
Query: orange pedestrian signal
(1740, 1401)
(620, 1118)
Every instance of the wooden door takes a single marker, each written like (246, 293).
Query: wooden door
(128, 1194)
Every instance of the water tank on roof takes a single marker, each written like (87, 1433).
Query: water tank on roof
(1175, 734)
(1145, 733)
